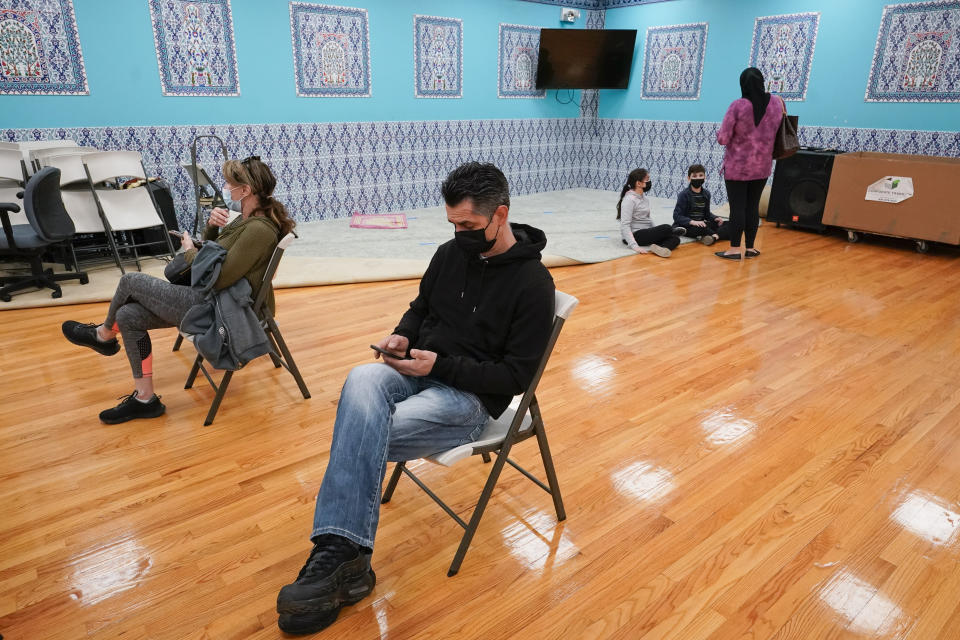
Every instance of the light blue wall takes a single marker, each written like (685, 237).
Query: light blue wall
(120, 59)
(838, 80)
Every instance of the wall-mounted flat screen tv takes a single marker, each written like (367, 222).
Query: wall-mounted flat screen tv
(585, 58)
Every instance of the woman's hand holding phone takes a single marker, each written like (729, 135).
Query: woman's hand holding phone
(185, 240)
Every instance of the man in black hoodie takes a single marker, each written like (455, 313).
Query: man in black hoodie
(469, 342)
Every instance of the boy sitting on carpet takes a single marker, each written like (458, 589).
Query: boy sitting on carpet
(692, 212)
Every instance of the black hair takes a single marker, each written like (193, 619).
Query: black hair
(483, 183)
(635, 176)
(752, 88)
(696, 168)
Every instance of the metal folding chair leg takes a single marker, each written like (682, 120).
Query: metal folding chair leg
(471, 527)
(277, 362)
(551, 474)
(178, 342)
(392, 484)
(221, 390)
(112, 242)
(193, 371)
(287, 357)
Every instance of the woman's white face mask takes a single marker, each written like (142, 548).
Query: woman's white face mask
(233, 205)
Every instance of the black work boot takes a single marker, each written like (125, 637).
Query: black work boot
(85, 335)
(336, 574)
(130, 409)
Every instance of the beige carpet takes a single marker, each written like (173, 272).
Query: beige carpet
(302, 271)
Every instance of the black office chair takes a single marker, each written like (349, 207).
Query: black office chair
(49, 225)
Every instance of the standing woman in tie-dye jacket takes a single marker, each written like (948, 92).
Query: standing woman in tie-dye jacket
(748, 131)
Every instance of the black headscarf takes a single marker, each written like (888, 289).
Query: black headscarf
(751, 86)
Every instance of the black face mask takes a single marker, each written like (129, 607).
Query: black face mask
(649, 186)
(474, 242)
(696, 183)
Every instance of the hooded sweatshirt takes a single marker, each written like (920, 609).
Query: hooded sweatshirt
(487, 319)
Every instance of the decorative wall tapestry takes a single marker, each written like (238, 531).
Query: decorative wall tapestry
(196, 54)
(783, 50)
(917, 57)
(437, 57)
(40, 49)
(673, 62)
(331, 50)
(517, 62)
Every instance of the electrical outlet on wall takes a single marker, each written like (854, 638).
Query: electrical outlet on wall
(569, 15)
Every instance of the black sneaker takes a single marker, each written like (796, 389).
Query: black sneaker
(336, 574)
(85, 335)
(130, 409)
(679, 231)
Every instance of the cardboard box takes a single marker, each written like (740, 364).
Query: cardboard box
(931, 213)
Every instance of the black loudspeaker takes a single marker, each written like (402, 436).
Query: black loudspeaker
(164, 198)
(799, 191)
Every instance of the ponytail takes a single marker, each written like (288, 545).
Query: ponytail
(633, 178)
(272, 208)
(623, 192)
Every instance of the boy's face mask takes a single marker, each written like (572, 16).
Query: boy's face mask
(696, 183)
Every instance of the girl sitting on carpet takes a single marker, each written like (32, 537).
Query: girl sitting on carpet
(142, 302)
(636, 227)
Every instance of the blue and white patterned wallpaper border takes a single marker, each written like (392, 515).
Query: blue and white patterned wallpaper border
(667, 148)
(329, 170)
(573, 4)
(595, 4)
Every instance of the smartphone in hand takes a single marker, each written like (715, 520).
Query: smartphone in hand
(388, 354)
(176, 234)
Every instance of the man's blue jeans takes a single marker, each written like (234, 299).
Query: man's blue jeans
(384, 415)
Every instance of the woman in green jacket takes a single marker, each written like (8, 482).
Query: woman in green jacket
(142, 302)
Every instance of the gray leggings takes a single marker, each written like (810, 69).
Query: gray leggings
(143, 302)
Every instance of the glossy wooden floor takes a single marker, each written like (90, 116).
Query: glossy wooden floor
(768, 449)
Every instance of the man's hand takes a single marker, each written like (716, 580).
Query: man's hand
(186, 241)
(394, 344)
(698, 223)
(218, 217)
(421, 365)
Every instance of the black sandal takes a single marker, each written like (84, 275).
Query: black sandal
(727, 256)
(752, 253)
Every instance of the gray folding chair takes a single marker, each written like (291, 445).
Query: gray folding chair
(124, 210)
(279, 352)
(499, 436)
